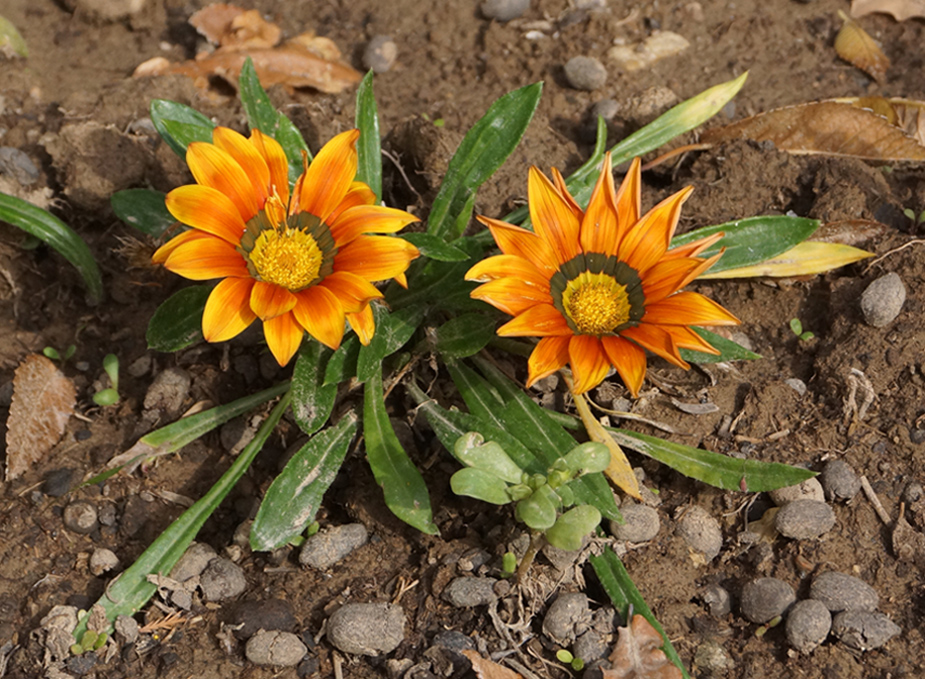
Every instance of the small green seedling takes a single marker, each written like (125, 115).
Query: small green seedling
(910, 213)
(797, 327)
(56, 355)
(108, 397)
(508, 564)
(91, 641)
(564, 656)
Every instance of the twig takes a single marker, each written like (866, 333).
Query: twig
(917, 241)
(402, 171)
(537, 540)
(675, 152)
(875, 501)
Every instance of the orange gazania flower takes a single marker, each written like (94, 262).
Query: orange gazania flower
(299, 263)
(598, 286)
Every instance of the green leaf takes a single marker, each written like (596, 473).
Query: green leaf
(729, 350)
(728, 473)
(401, 482)
(11, 40)
(472, 450)
(588, 458)
(750, 241)
(538, 510)
(369, 170)
(392, 331)
(480, 484)
(465, 335)
(435, 248)
(293, 499)
(343, 363)
(261, 114)
(143, 209)
(294, 146)
(482, 151)
(179, 125)
(569, 530)
(177, 323)
(312, 400)
(622, 592)
(59, 236)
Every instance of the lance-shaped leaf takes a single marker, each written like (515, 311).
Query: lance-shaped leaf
(728, 350)
(177, 323)
(435, 248)
(809, 257)
(312, 399)
(179, 124)
(392, 331)
(143, 209)
(369, 149)
(465, 335)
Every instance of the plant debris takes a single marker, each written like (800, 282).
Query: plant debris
(638, 654)
(899, 9)
(854, 45)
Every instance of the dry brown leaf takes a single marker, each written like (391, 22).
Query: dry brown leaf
(900, 9)
(906, 114)
(230, 26)
(826, 127)
(486, 669)
(851, 231)
(43, 401)
(854, 45)
(638, 654)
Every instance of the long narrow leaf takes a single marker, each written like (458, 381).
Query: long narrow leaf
(392, 331)
(728, 350)
(179, 125)
(59, 236)
(312, 400)
(261, 114)
(806, 258)
(143, 209)
(177, 322)
(369, 146)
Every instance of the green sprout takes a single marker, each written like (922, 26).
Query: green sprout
(508, 564)
(910, 213)
(56, 355)
(564, 656)
(91, 641)
(797, 327)
(108, 397)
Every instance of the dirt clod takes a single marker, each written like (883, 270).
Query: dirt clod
(808, 625)
(323, 550)
(567, 617)
(842, 592)
(804, 519)
(883, 299)
(766, 598)
(275, 648)
(367, 629)
(864, 630)
(839, 480)
(701, 532)
(222, 579)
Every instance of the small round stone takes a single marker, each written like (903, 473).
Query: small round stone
(842, 592)
(17, 164)
(712, 659)
(914, 492)
(58, 482)
(766, 598)
(366, 629)
(193, 562)
(883, 299)
(80, 517)
(380, 54)
(640, 524)
(466, 592)
(275, 648)
(701, 532)
(718, 600)
(808, 624)
(222, 579)
(127, 628)
(810, 489)
(103, 560)
(323, 550)
(567, 617)
(585, 73)
(839, 480)
(504, 10)
(606, 109)
(804, 519)
(864, 630)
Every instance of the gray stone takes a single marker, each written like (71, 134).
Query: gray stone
(367, 629)
(808, 624)
(466, 592)
(883, 299)
(864, 630)
(58, 482)
(80, 517)
(701, 532)
(766, 598)
(380, 54)
(504, 10)
(712, 659)
(914, 492)
(718, 600)
(106, 10)
(591, 646)
(567, 618)
(323, 550)
(839, 480)
(585, 73)
(810, 489)
(168, 391)
(275, 648)
(127, 628)
(799, 386)
(606, 109)
(640, 523)
(103, 560)
(804, 519)
(841, 592)
(193, 562)
(18, 165)
(222, 579)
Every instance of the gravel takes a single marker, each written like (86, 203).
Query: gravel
(193, 562)
(591, 646)
(711, 659)
(271, 614)
(366, 629)
(567, 618)
(127, 628)
(804, 519)
(504, 10)
(883, 299)
(810, 489)
(275, 648)
(766, 598)
(701, 532)
(323, 550)
(380, 54)
(103, 560)
(718, 600)
(808, 624)
(585, 73)
(841, 592)
(839, 480)
(222, 579)
(606, 109)
(17, 164)
(80, 517)
(864, 630)
(465, 592)
(641, 524)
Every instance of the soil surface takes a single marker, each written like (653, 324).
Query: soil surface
(73, 108)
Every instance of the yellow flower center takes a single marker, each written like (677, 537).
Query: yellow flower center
(287, 257)
(596, 303)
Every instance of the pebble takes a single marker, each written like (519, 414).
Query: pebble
(108, 514)
(324, 549)
(718, 600)
(454, 641)
(127, 628)
(465, 592)
(140, 366)
(808, 624)
(271, 614)
(366, 629)
(193, 562)
(222, 579)
(659, 45)
(640, 524)
(766, 598)
(380, 54)
(103, 560)
(712, 659)
(17, 164)
(810, 489)
(567, 618)
(839, 480)
(606, 109)
(504, 10)
(864, 630)
(80, 517)
(701, 532)
(842, 592)
(798, 385)
(57, 482)
(275, 648)
(913, 492)
(585, 73)
(804, 519)
(883, 299)
(168, 391)
(134, 515)
(591, 646)
(563, 559)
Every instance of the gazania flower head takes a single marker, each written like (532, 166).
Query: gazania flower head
(300, 263)
(598, 286)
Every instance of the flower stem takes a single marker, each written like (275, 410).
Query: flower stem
(537, 540)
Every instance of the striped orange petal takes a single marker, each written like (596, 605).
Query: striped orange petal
(206, 209)
(163, 252)
(670, 275)
(356, 221)
(589, 362)
(552, 217)
(228, 310)
(358, 194)
(247, 156)
(513, 240)
(542, 320)
(353, 292)
(628, 359)
(213, 167)
(647, 242)
(559, 182)
(277, 163)
(269, 300)
(511, 295)
(330, 175)
(686, 338)
(507, 266)
(688, 308)
(206, 258)
(550, 354)
(599, 228)
(375, 258)
(658, 341)
(363, 324)
(629, 198)
(321, 314)
(284, 336)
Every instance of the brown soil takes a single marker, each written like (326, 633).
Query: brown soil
(71, 107)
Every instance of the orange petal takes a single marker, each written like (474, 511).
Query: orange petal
(402, 280)
(628, 359)
(206, 209)
(629, 199)
(552, 217)
(353, 292)
(686, 338)
(670, 275)
(549, 355)
(284, 336)
(247, 156)
(510, 295)
(542, 320)
(358, 194)
(329, 176)
(695, 248)
(507, 266)
(228, 310)
(206, 258)
(589, 362)
(599, 228)
(163, 252)
(513, 240)
(213, 167)
(688, 308)
(356, 221)
(658, 341)
(318, 311)
(363, 324)
(269, 301)
(375, 258)
(275, 158)
(647, 242)
(559, 182)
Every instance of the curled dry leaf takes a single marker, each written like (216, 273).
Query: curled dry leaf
(486, 669)
(43, 401)
(906, 114)
(900, 9)
(854, 45)
(638, 654)
(230, 26)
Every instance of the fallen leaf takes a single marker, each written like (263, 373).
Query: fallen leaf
(854, 45)
(851, 231)
(638, 654)
(906, 114)
(11, 42)
(805, 259)
(230, 26)
(900, 9)
(43, 401)
(486, 669)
